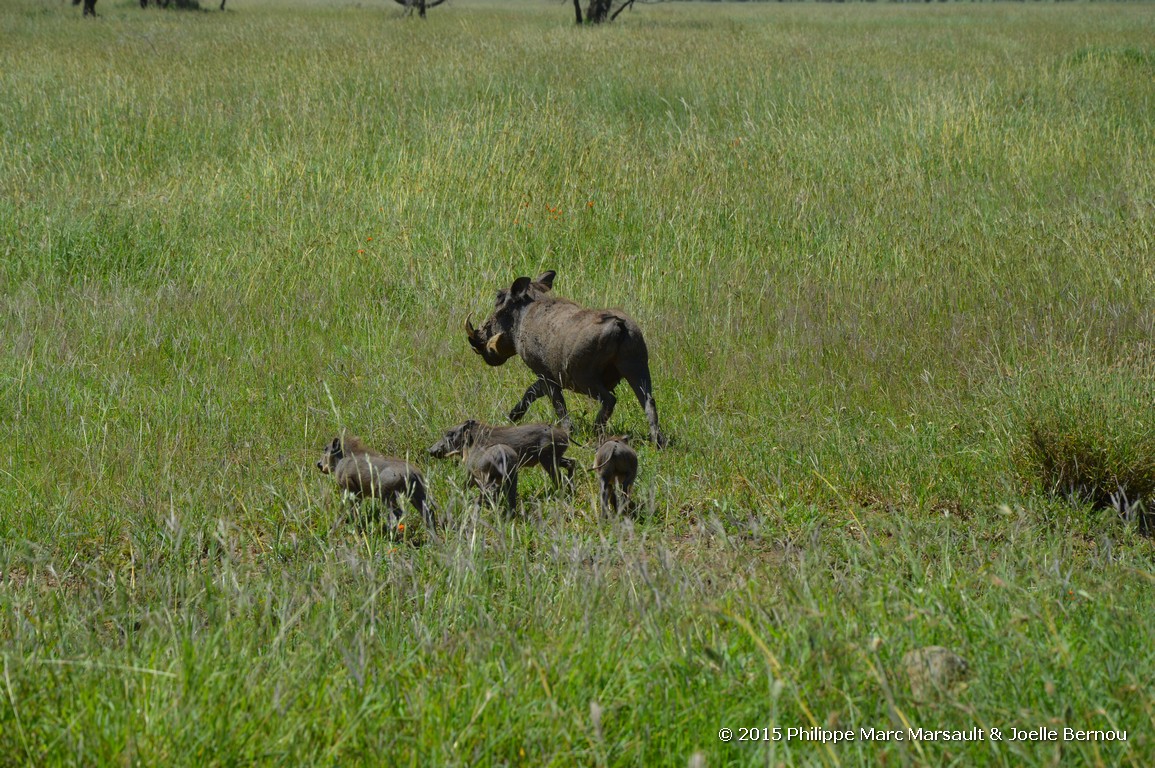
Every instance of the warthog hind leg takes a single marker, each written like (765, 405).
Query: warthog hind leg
(609, 498)
(644, 390)
(419, 502)
(627, 488)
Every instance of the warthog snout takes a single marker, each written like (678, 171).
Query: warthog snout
(476, 340)
(453, 441)
(495, 347)
(330, 456)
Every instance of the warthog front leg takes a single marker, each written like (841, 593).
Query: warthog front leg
(569, 465)
(542, 386)
(535, 390)
(393, 502)
(553, 466)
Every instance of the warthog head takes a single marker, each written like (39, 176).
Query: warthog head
(494, 340)
(341, 446)
(331, 455)
(454, 440)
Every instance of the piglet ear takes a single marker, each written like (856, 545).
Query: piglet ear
(519, 287)
(545, 280)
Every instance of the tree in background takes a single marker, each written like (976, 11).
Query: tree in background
(420, 5)
(598, 11)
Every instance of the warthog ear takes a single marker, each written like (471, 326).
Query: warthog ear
(519, 287)
(545, 280)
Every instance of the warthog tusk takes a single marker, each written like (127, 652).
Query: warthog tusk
(491, 345)
(473, 336)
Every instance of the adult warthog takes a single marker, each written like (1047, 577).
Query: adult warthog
(569, 347)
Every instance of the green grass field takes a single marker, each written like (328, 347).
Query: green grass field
(894, 264)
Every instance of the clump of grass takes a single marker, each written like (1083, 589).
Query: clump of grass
(1133, 55)
(1088, 438)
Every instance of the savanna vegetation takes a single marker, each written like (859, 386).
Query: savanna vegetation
(894, 267)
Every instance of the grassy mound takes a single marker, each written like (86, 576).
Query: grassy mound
(1088, 437)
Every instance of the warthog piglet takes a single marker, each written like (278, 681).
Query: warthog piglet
(366, 473)
(616, 463)
(532, 443)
